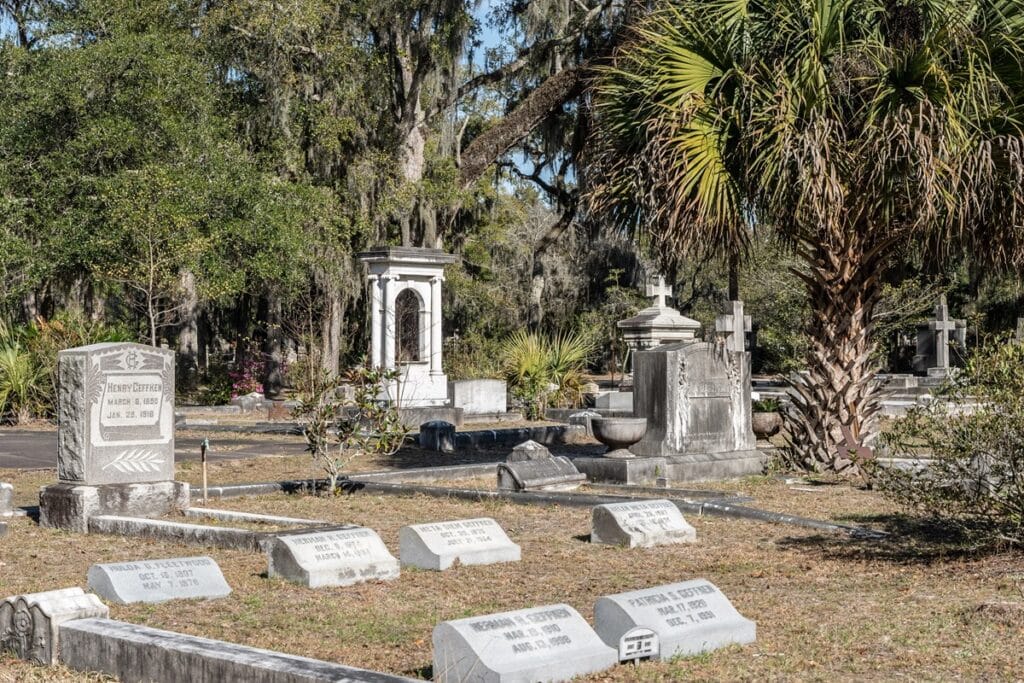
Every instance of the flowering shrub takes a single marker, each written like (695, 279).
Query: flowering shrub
(246, 378)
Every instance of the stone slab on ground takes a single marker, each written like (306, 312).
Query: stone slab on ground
(549, 474)
(339, 557)
(69, 506)
(29, 623)
(140, 654)
(640, 524)
(439, 545)
(715, 466)
(547, 643)
(249, 517)
(155, 581)
(689, 618)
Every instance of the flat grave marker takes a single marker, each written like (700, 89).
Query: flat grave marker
(548, 643)
(640, 524)
(688, 618)
(470, 541)
(158, 580)
(339, 557)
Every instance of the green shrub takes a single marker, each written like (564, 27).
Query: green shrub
(543, 371)
(766, 405)
(975, 477)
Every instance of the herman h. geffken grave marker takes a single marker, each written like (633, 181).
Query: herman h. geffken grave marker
(115, 436)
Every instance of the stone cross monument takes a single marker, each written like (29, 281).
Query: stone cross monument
(735, 326)
(941, 326)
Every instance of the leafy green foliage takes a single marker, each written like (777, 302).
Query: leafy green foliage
(546, 371)
(974, 478)
(337, 430)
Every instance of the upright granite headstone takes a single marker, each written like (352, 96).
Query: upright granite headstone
(115, 438)
(29, 623)
(6, 499)
(469, 541)
(337, 557)
(549, 643)
(688, 618)
(640, 524)
(696, 398)
(158, 580)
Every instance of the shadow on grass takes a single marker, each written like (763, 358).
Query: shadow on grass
(908, 539)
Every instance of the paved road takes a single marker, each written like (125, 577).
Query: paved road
(29, 449)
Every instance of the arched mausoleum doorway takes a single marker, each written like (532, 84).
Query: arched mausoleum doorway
(405, 320)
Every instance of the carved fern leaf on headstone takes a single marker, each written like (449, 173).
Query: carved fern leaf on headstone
(139, 460)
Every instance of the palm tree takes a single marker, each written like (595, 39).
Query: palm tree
(854, 129)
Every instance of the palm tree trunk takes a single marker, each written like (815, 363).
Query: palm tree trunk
(835, 401)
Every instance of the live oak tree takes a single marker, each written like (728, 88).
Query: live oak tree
(852, 129)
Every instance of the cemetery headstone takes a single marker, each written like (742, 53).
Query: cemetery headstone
(6, 499)
(337, 557)
(640, 524)
(735, 326)
(115, 438)
(479, 396)
(696, 398)
(556, 473)
(583, 419)
(529, 450)
(688, 618)
(158, 580)
(439, 545)
(548, 643)
(438, 435)
(29, 624)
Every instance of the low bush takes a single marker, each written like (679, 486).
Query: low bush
(970, 442)
(546, 371)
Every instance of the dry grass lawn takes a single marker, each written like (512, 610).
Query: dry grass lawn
(914, 607)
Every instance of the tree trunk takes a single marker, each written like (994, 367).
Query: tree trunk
(836, 400)
(536, 310)
(330, 330)
(188, 333)
(273, 350)
(734, 276)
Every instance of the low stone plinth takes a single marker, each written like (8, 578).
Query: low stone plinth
(69, 506)
(639, 471)
(135, 654)
(714, 466)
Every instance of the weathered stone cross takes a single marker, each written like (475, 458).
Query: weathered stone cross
(942, 326)
(659, 290)
(734, 325)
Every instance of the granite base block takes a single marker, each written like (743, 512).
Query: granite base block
(139, 653)
(640, 471)
(712, 466)
(69, 506)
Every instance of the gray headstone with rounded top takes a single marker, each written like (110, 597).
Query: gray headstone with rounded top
(439, 545)
(158, 580)
(640, 524)
(548, 643)
(688, 618)
(337, 557)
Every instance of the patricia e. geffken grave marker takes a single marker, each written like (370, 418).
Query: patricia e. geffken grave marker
(158, 580)
(115, 436)
(470, 541)
(640, 524)
(549, 643)
(688, 618)
(336, 557)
